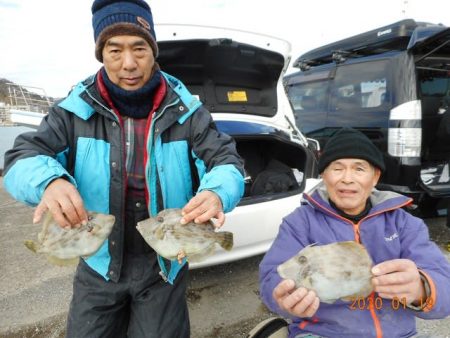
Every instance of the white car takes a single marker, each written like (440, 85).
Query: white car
(238, 77)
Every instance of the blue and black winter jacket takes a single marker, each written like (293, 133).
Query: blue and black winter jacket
(81, 139)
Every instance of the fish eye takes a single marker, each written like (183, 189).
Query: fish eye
(160, 219)
(90, 217)
(302, 259)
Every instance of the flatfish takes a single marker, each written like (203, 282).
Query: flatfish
(173, 240)
(334, 271)
(65, 246)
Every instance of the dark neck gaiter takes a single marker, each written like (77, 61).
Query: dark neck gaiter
(354, 218)
(133, 103)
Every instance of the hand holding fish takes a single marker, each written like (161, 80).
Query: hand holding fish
(297, 302)
(173, 240)
(202, 207)
(398, 278)
(322, 267)
(64, 202)
(65, 246)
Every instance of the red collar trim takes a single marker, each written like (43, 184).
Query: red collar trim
(160, 94)
(104, 92)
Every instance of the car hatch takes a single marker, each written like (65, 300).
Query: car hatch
(430, 41)
(236, 74)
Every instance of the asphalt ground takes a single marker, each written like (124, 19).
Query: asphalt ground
(223, 300)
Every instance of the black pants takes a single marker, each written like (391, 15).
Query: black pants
(141, 304)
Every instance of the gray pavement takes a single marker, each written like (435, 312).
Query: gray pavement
(223, 300)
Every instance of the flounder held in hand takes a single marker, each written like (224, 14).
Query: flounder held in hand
(64, 247)
(173, 240)
(339, 270)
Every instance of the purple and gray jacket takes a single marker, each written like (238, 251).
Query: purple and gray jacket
(388, 232)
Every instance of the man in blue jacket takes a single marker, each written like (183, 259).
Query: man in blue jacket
(409, 268)
(128, 141)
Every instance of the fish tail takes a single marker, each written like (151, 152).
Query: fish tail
(31, 245)
(63, 262)
(225, 239)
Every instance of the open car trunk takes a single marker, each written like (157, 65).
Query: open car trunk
(271, 169)
(227, 76)
(274, 167)
(239, 83)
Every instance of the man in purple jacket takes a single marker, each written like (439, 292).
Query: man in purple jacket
(409, 268)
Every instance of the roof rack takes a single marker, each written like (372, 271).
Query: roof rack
(395, 36)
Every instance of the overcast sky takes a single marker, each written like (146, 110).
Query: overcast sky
(49, 43)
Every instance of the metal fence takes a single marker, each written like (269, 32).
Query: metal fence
(28, 98)
(4, 116)
(23, 98)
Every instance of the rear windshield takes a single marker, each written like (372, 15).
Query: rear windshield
(308, 96)
(360, 87)
(356, 90)
(356, 87)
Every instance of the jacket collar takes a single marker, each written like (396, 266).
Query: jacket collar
(74, 101)
(189, 103)
(381, 200)
(84, 100)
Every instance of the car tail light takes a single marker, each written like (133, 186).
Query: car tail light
(406, 140)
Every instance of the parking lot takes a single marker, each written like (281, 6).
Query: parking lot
(223, 300)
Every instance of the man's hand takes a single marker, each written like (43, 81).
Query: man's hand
(297, 302)
(63, 200)
(201, 208)
(398, 278)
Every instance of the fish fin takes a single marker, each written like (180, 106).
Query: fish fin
(348, 298)
(331, 301)
(351, 298)
(32, 245)
(62, 262)
(202, 255)
(225, 239)
(288, 271)
(159, 234)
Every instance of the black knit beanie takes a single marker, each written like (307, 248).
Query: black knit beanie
(350, 143)
(123, 17)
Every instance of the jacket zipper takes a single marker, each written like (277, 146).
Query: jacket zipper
(357, 234)
(163, 273)
(122, 152)
(150, 146)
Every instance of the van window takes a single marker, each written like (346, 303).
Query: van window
(309, 103)
(308, 96)
(359, 87)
